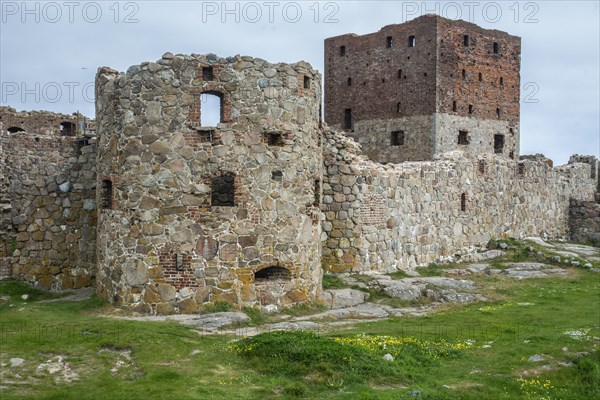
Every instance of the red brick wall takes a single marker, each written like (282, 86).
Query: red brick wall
(485, 95)
(373, 67)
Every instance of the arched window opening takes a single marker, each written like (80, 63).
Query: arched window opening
(211, 109)
(412, 41)
(272, 274)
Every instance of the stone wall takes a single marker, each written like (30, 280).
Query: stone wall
(192, 215)
(49, 239)
(399, 216)
(6, 236)
(450, 79)
(43, 122)
(585, 221)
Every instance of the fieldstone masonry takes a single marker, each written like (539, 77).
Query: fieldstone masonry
(48, 225)
(164, 214)
(399, 216)
(205, 214)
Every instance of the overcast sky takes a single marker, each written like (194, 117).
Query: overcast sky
(50, 51)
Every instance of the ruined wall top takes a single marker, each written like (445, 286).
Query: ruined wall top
(45, 123)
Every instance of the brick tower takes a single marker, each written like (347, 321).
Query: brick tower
(428, 86)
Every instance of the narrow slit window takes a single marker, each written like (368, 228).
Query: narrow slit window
(412, 41)
(497, 112)
(397, 138)
(106, 195)
(207, 73)
(466, 40)
(306, 82)
(398, 107)
(470, 108)
(454, 106)
(223, 191)
(348, 119)
(464, 74)
(501, 81)
(349, 81)
(496, 48)
(399, 74)
(498, 143)
(211, 109)
(480, 77)
(463, 137)
(342, 51)
(463, 202)
(389, 41)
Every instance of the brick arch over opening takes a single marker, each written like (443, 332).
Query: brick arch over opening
(194, 116)
(272, 273)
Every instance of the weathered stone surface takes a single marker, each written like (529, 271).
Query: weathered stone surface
(217, 320)
(135, 273)
(341, 298)
(166, 292)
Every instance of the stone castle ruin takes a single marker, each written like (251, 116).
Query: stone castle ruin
(164, 212)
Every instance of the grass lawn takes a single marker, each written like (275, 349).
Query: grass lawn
(477, 351)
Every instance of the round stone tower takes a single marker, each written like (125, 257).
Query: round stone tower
(209, 177)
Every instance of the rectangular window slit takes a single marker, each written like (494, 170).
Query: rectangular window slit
(397, 138)
(277, 176)
(274, 139)
(348, 119)
(106, 194)
(498, 143)
(207, 73)
(463, 137)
